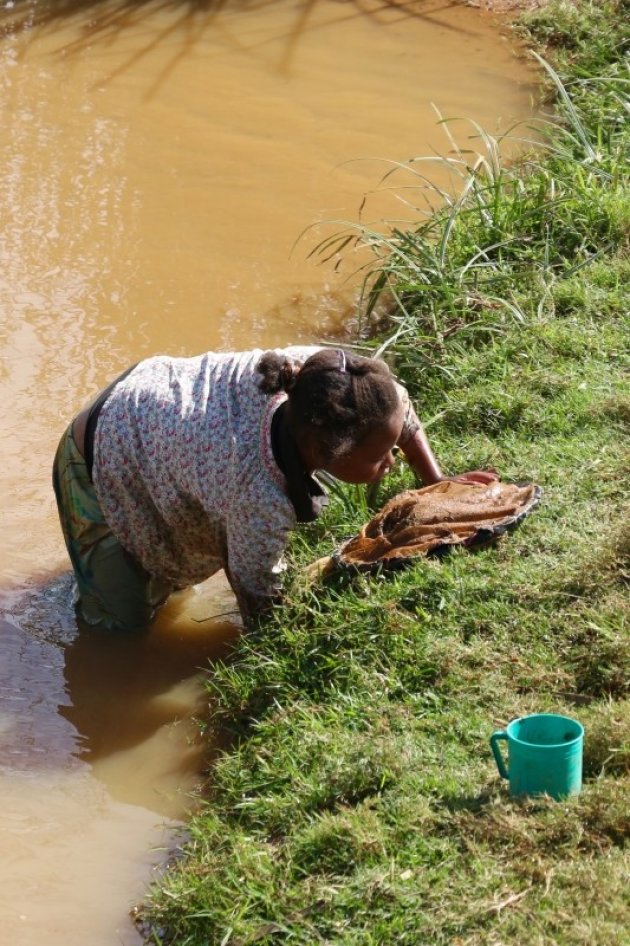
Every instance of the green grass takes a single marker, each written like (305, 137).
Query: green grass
(357, 803)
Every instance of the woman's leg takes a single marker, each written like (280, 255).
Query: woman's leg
(114, 590)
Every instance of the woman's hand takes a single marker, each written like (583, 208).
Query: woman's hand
(475, 476)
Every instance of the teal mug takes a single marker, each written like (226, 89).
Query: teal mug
(544, 755)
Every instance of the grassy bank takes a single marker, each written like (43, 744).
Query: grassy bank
(358, 803)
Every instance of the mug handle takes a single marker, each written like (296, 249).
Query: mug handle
(496, 752)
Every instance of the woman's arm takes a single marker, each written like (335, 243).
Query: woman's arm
(421, 457)
(423, 462)
(257, 531)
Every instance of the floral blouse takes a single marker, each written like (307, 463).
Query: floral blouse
(185, 474)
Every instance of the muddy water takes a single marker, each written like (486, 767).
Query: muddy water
(159, 161)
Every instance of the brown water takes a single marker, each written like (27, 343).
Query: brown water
(159, 161)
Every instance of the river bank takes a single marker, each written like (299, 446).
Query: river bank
(358, 803)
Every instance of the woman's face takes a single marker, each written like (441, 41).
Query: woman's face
(372, 459)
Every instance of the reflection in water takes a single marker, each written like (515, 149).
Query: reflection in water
(55, 887)
(129, 706)
(99, 742)
(131, 699)
(160, 159)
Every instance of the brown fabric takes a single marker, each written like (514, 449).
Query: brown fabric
(420, 521)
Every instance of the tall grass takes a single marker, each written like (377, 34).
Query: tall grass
(358, 804)
(514, 232)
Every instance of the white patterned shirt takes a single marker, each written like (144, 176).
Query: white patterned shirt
(185, 474)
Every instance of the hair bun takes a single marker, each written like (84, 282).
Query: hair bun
(278, 372)
(288, 374)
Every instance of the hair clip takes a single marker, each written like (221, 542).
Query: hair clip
(342, 361)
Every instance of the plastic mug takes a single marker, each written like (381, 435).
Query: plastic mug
(544, 755)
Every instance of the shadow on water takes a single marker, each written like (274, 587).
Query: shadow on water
(106, 18)
(185, 22)
(129, 706)
(112, 15)
(123, 688)
(101, 757)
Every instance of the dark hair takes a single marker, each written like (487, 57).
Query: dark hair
(336, 397)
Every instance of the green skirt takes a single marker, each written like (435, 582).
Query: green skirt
(114, 590)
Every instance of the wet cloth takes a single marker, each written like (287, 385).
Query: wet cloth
(185, 475)
(114, 591)
(420, 521)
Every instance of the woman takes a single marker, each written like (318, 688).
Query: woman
(184, 466)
